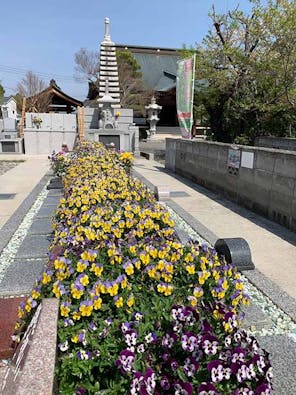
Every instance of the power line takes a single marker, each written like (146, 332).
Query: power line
(22, 72)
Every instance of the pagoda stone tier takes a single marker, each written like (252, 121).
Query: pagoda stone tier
(108, 70)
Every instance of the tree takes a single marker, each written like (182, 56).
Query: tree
(132, 91)
(246, 70)
(34, 89)
(2, 92)
(87, 65)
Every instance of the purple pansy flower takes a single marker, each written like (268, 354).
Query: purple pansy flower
(210, 344)
(206, 389)
(168, 340)
(189, 342)
(183, 388)
(125, 361)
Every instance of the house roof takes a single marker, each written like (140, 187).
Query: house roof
(6, 99)
(158, 65)
(54, 99)
(54, 89)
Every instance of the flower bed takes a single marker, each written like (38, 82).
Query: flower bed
(140, 313)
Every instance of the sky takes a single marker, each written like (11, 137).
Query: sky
(43, 36)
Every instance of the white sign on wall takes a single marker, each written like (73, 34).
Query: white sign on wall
(247, 159)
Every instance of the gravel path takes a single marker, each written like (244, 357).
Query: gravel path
(6, 165)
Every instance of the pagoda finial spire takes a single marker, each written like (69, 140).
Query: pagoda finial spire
(107, 37)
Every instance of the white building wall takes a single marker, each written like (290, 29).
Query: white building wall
(9, 109)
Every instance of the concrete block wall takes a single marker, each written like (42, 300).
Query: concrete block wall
(268, 187)
(52, 121)
(283, 143)
(44, 142)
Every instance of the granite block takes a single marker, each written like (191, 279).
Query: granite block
(46, 211)
(20, 276)
(51, 200)
(282, 349)
(236, 250)
(34, 246)
(41, 226)
(162, 192)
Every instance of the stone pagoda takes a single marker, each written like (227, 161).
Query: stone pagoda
(108, 68)
(109, 123)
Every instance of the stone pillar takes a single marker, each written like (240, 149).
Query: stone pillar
(80, 122)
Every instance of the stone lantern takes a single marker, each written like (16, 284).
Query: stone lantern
(153, 110)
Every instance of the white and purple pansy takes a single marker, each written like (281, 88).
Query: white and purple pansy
(210, 344)
(190, 342)
(125, 361)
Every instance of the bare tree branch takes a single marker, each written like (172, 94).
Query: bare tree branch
(31, 87)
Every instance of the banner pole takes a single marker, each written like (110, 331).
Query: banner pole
(192, 95)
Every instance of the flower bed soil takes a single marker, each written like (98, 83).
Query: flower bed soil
(9, 316)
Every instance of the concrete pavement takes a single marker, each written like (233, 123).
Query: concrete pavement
(20, 180)
(273, 247)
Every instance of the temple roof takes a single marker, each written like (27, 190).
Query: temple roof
(158, 65)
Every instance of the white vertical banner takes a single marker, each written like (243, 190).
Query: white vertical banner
(185, 95)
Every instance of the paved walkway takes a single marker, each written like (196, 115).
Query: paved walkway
(20, 181)
(273, 247)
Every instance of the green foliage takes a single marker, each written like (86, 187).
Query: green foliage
(133, 94)
(2, 91)
(249, 65)
(127, 58)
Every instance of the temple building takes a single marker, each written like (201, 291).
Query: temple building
(159, 71)
(158, 67)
